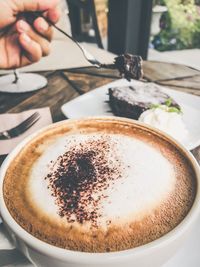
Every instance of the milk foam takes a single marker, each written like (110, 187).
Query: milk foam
(147, 179)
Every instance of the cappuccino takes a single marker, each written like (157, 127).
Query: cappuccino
(99, 185)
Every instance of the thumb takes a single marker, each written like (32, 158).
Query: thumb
(35, 5)
(9, 9)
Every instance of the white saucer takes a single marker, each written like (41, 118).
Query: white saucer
(27, 82)
(94, 103)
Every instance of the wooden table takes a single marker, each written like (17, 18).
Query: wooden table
(65, 85)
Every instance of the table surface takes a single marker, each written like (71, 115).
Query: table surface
(65, 85)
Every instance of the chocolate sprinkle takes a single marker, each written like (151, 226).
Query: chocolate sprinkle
(79, 178)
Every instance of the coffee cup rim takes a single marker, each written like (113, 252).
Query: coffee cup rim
(90, 257)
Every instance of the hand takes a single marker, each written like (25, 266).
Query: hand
(22, 43)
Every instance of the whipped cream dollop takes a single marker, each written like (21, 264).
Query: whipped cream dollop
(169, 122)
(94, 180)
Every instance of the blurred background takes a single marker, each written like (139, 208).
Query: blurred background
(164, 30)
(157, 30)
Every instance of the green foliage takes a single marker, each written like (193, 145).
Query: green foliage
(180, 26)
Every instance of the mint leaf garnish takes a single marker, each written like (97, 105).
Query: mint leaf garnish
(174, 109)
(168, 102)
(167, 106)
(155, 106)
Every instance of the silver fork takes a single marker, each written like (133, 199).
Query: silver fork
(31, 16)
(20, 128)
(89, 57)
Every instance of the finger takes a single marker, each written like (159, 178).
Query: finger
(42, 27)
(54, 14)
(24, 27)
(25, 61)
(10, 52)
(32, 49)
(35, 5)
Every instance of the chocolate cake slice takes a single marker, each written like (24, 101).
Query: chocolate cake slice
(131, 101)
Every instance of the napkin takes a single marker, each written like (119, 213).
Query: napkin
(10, 120)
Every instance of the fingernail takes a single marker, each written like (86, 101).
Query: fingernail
(43, 25)
(23, 26)
(26, 38)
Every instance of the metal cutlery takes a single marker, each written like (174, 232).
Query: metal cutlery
(20, 128)
(31, 16)
(129, 66)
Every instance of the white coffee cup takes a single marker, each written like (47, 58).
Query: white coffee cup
(40, 253)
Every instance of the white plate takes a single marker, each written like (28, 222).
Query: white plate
(94, 103)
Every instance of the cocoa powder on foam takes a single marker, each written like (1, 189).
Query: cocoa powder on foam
(79, 173)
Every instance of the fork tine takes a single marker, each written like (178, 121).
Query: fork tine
(22, 126)
(28, 121)
(31, 123)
